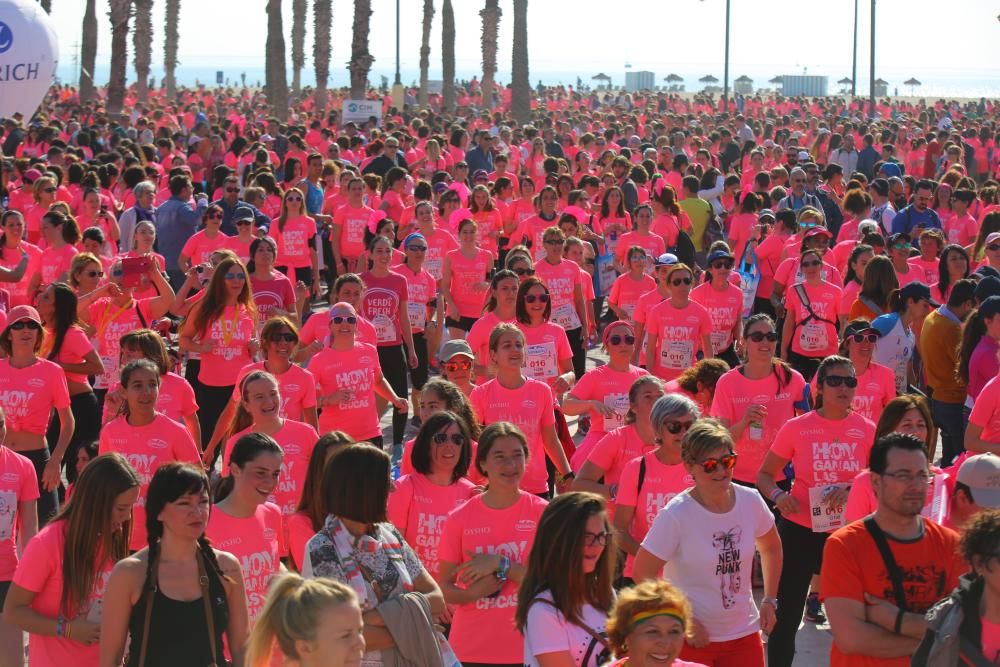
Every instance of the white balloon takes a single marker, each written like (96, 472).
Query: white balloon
(29, 53)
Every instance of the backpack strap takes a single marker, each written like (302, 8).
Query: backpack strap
(138, 312)
(800, 289)
(603, 641)
(895, 574)
(642, 475)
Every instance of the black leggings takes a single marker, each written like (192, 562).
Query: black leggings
(729, 356)
(211, 403)
(802, 556)
(87, 415)
(575, 337)
(393, 363)
(418, 375)
(807, 366)
(48, 501)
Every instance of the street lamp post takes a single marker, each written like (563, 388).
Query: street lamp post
(397, 86)
(854, 66)
(725, 73)
(871, 74)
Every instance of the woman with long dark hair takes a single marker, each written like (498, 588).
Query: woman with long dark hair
(979, 353)
(178, 586)
(500, 307)
(954, 265)
(61, 583)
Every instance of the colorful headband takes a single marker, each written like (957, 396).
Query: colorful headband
(413, 237)
(643, 616)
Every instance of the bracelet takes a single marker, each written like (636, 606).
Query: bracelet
(899, 622)
(69, 630)
(613, 491)
(567, 477)
(60, 626)
(773, 496)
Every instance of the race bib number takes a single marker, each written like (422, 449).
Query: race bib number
(676, 354)
(385, 329)
(824, 517)
(566, 317)
(433, 267)
(813, 338)
(541, 360)
(720, 341)
(620, 404)
(417, 313)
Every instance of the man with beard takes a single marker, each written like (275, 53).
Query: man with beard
(919, 215)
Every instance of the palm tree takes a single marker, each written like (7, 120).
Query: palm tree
(447, 56)
(491, 26)
(299, 9)
(170, 41)
(119, 15)
(88, 52)
(142, 42)
(275, 75)
(361, 60)
(322, 18)
(425, 51)
(520, 85)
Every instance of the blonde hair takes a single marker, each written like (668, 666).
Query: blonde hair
(644, 597)
(292, 613)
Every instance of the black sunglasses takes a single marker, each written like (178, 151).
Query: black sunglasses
(524, 272)
(675, 427)
(617, 340)
(242, 223)
(836, 380)
(722, 264)
(810, 264)
(540, 298)
(94, 274)
(339, 319)
(759, 336)
(681, 281)
(441, 438)
(25, 324)
(284, 338)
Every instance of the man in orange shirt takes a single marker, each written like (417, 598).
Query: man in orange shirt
(877, 618)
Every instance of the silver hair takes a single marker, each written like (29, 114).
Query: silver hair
(797, 171)
(671, 406)
(142, 188)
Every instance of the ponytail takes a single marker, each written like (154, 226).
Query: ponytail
(973, 331)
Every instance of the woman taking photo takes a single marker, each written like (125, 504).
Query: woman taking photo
(222, 329)
(357, 546)
(296, 232)
(566, 592)
(501, 307)
(828, 447)
(465, 277)
(30, 389)
(481, 568)
(647, 626)
(422, 499)
(311, 622)
(143, 436)
(678, 328)
(60, 585)
(628, 287)
(813, 309)
(177, 586)
(756, 399)
(716, 522)
(724, 302)
(245, 520)
(527, 403)
(549, 357)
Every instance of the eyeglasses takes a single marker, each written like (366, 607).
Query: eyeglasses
(901, 246)
(524, 272)
(25, 324)
(760, 336)
(904, 477)
(810, 264)
(848, 381)
(236, 190)
(452, 366)
(675, 427)
(94, 274)
(722, 264)
(284, 338)
(339, 319)
(864, 338)
(681, 281)
(711, 465)
(213, 216)
(441, 438)
(594, 539)
(617, 340)
(235, 275)
(242, 223)
(540, 298)
(417, 248)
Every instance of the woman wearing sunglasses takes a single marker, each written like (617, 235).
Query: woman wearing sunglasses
(441, 395)
(603, 392)
(724, 302)
(706, 537)
(828, 446)
(678, 328)
(86, 274)
(629, 286)
(813, 309)
(790, 271)
(199, 248)
(566, 593)
(295, 236)
(876, 383)
(421, 290)
(348, 376)
(501, 307)
(245, 236)
(548, 355)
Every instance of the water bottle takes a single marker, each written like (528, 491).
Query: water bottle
(756, 431)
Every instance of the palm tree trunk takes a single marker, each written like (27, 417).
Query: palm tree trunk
(170, 41)
(361, 60)
(425, 51)
(299, 9)
(491, 26)
(277, 77)
(447, 56)
(88, 52)
(142, 42)
(119, 16)
(322, 18)
(520, 85)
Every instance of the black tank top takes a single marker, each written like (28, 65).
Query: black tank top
(178, 631)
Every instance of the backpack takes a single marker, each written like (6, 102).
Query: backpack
(714, 231)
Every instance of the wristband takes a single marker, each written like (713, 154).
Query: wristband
(899, 622)
(60, 626)
(775, 493)
(503, 570)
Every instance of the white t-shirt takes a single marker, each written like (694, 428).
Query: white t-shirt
(709, 556)
(548, 631)
(894, 348)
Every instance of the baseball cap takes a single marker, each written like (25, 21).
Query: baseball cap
(18, 313)
(918, 291)
(803, 156)
(455, 347)
(992, 237)
(985, 271)
(860, 327)
(242, 213)
(990, 306)
(765, 213)
(666, 259)
(480, 173)
(981, 473)
(986, 288)
(719, 254)
(817, 231)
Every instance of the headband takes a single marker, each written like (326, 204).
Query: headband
(643, 616)
(413, 237)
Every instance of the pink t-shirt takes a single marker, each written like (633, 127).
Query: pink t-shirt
(176, 399)
(545, 346)
(817, 337)
(467, 277)
(724, 307)
(484, 630)
(439, 243)
(562, 280)
(679, 332)
(75, 347)
(111, 322)
(54, 262)
(40, 571)
(986, 411)
(352, 222)
(788, 273)
(268, 295)
(660, 483)
(626, 290)
(146, 448)
(533, 229)
(928, 269)
(530, 408)
(876, 387)
(18, 484)
(300, 531)
(28, 395)
(296, 385)
(11, 257)
(229, 335)
(258, 543)
(489, 223)
(297, 440)
(653, 244)
(420, 289)
(479, 338)
(961, 229)
(294, 241)
(200, 247)
(356, 369)
(734, 392)
(613, 451)
(381, 304)
(610, 387)
(418, 508)
(824, 452)
(240, 247)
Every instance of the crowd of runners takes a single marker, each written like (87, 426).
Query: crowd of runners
(666, 378)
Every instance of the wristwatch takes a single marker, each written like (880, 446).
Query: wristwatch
(771, 601)
(504, 569)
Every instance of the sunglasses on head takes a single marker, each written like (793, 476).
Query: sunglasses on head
(540, 298)
(864, 338)
(760, 336)
(675, 427)
(236, 275)
(711, 465)
(681, 281)
(524, 272)
(284, 338)
(722, 264)
(25, 324)
(441, 438)
(617, 340)
(339, 319)
(463, 365)
(848, 381)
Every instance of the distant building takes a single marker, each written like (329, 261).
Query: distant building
(636, 81)
(796, 85)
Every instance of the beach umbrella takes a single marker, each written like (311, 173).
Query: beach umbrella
(673, 78)
(602, 77)
(912, 83)
(708, 78)
(846, 81)
(777, 80)
(744, 79)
